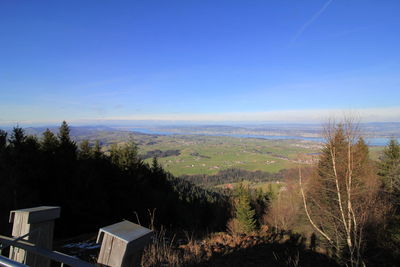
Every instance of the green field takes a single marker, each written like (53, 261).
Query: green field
(205, 154)
(210, 154)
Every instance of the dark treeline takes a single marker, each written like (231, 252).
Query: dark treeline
(160, 154)
(233, 176)
(95, 189)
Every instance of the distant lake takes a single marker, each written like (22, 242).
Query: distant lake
(374, 141)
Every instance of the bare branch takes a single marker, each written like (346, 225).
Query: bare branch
(308, 214)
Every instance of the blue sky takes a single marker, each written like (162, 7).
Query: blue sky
(198, 60)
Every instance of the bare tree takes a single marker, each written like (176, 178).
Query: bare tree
(339, 197)
(285, 209)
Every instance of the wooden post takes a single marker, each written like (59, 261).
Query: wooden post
(122, 244)
(39, 224)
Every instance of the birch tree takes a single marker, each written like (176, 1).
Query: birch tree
(338, 198)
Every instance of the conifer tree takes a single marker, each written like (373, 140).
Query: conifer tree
(67, 146)
(17, 138)
(243, 211)
(64, 132)
(390, 168)
(155, 166)
(49, 141)
(389, 171)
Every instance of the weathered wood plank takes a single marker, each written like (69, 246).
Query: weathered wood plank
(38, 222)
(122, 243)
(38, 214)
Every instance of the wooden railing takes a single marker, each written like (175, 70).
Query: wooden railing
(52, 255)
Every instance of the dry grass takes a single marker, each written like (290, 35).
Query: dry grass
(226, 249)
(163, 251)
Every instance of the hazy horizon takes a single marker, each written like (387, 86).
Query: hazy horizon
(156, 124)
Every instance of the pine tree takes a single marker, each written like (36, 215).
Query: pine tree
(390, 167)
(64, 132)
(155, 166)
(49, 141)
(17, 138)
(243, 211)
(389, 171)
(67, 146)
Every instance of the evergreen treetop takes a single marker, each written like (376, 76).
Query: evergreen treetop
(64, 132)
(18, 137)
(49, 141)
(243, 211)
(390, 167)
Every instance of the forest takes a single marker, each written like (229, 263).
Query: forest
(95, 189)
(233, 175)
